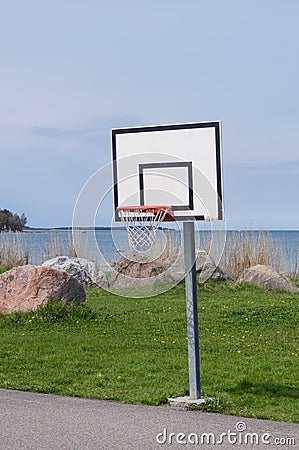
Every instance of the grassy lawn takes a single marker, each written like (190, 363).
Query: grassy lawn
(135, 350)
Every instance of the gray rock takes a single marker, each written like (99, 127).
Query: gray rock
(176, 271)
(136, 269)
(223, 275)
(82, 269)
(206, 268)
(268, 278)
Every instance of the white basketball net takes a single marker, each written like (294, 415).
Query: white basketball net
(142, 225)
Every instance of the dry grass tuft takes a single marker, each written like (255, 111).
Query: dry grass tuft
(13, 251)
(167, 245)
(246, 249)
(76, 246)
(55, 247)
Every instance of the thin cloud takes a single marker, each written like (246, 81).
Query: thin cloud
(104, 126)
(59, 132)
(281, 167)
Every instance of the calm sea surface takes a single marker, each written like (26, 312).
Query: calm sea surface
(107, 245)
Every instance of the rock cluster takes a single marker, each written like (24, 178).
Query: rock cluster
(137, 269)
(26, 287)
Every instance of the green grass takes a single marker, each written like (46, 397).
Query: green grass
(135, 350)
(4, 269)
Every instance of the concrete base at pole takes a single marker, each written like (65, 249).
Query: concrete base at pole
(186, 402)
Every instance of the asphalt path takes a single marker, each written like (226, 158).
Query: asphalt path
(31, 421)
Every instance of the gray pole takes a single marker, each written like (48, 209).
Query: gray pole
(191, 309)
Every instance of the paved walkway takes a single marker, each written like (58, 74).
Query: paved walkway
(49, 422)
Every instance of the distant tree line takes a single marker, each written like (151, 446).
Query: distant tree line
(11, 222)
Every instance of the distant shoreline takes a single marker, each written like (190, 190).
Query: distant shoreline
(64, 228)
(119, 227)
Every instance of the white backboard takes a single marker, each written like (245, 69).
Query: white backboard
(178, 165)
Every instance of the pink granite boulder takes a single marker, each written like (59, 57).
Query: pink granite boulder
(24, 288)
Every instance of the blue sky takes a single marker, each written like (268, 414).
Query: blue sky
(71, 70)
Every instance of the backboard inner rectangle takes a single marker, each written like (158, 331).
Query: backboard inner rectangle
(170, 182)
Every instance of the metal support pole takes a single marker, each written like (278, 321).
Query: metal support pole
(191, 310)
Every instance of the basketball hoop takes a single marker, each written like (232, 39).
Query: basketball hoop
(142, 222)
